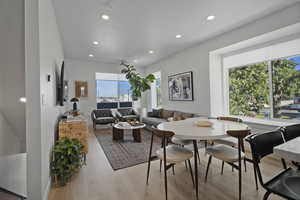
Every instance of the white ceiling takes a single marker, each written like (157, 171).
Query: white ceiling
(137, 26)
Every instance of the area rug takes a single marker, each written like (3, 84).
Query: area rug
(126, 153)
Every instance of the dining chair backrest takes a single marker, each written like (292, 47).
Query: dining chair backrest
(233, 119)
(161, 133)
(291, 132)
(240, 134)
(262, 145)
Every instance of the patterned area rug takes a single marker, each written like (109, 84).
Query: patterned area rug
(126, 153)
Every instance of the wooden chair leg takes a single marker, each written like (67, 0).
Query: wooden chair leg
(245, 165)
(165, 171)
(240, 171)
(208, 164)
(255, 176)
(266, 196)
(149, 159)
(191, 171)
(160, 164)
(185, 165)
(173, 169)
(222, 170)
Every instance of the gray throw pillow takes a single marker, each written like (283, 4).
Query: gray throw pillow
(156, 113)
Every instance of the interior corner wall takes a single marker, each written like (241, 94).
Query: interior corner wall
(196, 59)
(43, 54)
(51, 58)
(12, 78)
(86, 71)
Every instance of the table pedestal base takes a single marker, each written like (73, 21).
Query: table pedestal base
(118, 134)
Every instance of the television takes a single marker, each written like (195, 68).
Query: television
(60, 85)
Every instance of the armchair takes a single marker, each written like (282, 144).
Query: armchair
(127, 114)
(103, 116)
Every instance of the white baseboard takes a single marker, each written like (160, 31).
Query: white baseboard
(46, 193)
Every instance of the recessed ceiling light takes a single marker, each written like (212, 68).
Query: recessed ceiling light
(135, 60)
(95, 42)
(91, 55)
(211, 17)
(23, 99)
(178, 36)
(151, 52)
(105, 17)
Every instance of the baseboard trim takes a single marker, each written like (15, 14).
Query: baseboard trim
(47, 191)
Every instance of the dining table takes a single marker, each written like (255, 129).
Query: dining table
(190, 129)
(289, 150)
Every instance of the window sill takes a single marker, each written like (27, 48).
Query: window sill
(270, 122)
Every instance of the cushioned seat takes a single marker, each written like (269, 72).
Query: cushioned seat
(103, 116)
(281, 185)
(129, 117)
(153, 121)
(224, 152)
(125, 114)
(230, 141)
(180, 141)
(104, 120)
(175, 154)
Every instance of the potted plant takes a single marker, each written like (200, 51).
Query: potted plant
(137, 82)
(67, 159)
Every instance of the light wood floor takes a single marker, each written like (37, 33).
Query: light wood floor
(97, 181)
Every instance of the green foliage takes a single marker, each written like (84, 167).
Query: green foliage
(67, 159)
(248, 90)
(286, 82)
(249, 86)
(138, 83)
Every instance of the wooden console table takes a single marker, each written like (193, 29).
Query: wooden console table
(77, 129)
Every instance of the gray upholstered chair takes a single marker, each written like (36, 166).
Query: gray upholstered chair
(103, 116)
(126, 114)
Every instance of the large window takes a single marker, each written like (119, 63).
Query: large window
(114, 90)
(269, 89)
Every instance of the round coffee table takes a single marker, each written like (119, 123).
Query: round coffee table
(118, 131)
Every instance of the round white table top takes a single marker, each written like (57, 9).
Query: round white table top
(127, 126)
(187, 129)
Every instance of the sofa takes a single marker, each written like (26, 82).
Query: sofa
(126, 114)
(158, 116)
(103, 116)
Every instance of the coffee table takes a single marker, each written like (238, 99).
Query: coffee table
(118, 131)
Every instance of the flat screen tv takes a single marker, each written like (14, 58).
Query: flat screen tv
(60, 85)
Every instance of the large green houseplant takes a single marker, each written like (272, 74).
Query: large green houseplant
(67, 159)
(137, 82)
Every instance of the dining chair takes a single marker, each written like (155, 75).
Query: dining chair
(230, 141)
(290, 132)
(170, 155)
(285, 184)
(229, 154)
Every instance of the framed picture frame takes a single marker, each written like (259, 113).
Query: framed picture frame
(180, 87)
(81, 89)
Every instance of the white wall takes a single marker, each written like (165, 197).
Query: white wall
(86, 71)
(196, 59)
(12, 77)
(44, 53)
(51, 57)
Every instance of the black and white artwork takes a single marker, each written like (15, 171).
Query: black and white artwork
(181, 87)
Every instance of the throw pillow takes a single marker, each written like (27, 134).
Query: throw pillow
(165, 114)
(156, 113)
(178, 118)
(187, 115)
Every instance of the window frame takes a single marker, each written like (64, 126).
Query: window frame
(270, 86)
(118, 88)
